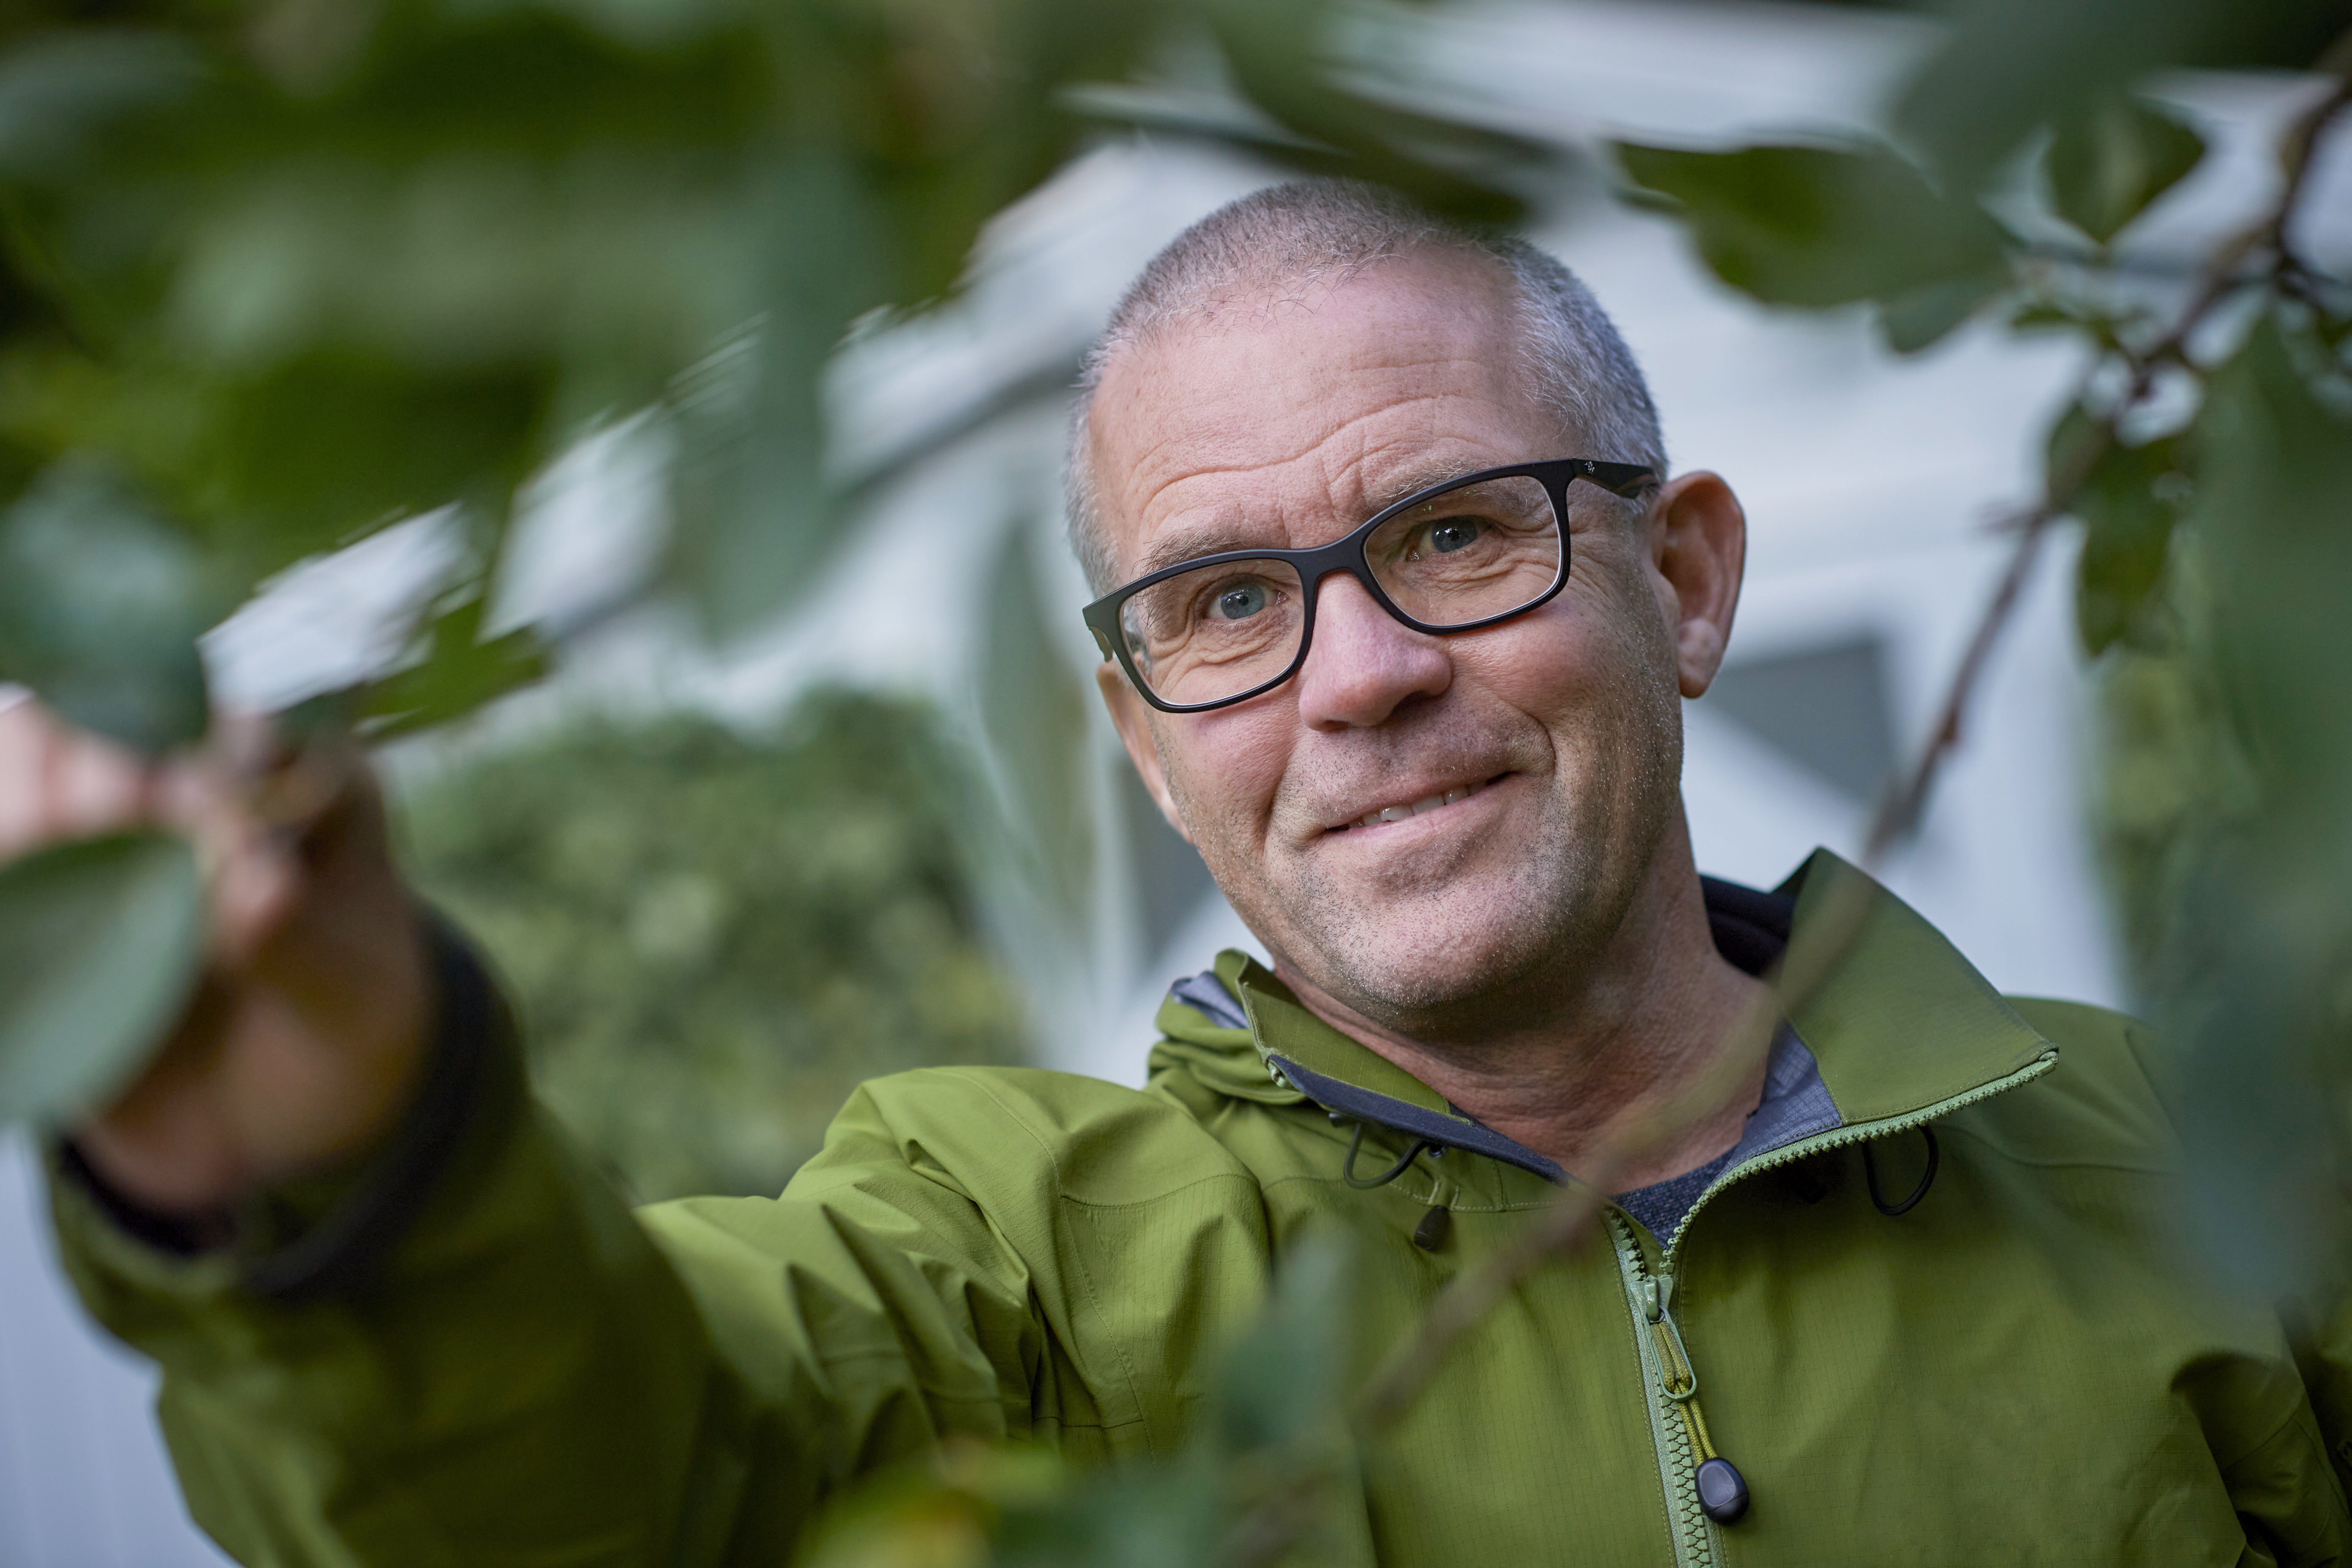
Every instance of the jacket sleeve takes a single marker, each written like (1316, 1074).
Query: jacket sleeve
(505, 1366)
(2319, 1323)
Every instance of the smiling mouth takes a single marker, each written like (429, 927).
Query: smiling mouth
(1399, 812)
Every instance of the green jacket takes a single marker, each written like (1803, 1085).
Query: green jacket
(2015, 1370)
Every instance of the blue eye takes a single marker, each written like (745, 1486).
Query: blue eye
(1454, 534)
(1239, 602)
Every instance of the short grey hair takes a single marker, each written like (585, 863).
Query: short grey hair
(1325, 232)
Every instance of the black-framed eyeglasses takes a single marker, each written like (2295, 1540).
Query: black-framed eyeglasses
(1220, 629)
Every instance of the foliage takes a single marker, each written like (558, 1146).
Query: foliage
(2208, 457)
(95, 941)
(275, 274)
(712, 938)
(1249, 1488)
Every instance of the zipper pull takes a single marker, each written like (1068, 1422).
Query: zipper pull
(1430, 1233)
(1722, 1490)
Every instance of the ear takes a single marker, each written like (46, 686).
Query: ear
(1698, 551)
(1131, 717)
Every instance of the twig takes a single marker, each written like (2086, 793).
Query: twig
(1413, 1361)
(1410, 1366)
(1898, 814)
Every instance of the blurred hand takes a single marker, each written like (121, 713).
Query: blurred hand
(303, 1038)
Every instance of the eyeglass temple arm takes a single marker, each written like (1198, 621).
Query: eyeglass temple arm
(1618, 478)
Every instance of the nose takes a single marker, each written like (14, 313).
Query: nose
(1363, 665)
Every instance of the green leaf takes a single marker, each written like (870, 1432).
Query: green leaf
(757, 519)
(1819, 227)
(1921, 317)
(326, 447)
(1273, 48)
(457, 674)
(1035, 714)
(101, 606)
(59, 90)
(2267, 935)
(2127, 504)
(2273, 452)
(1278, 1387)
(2109, 162)
(2009, 66)
(101, 941)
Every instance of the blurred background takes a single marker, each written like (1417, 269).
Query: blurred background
(892, 827)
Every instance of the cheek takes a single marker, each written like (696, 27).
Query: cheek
(1592, 668)
(1551, 666)
(1225, 768)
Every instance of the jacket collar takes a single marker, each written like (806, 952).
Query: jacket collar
(1900, 1025)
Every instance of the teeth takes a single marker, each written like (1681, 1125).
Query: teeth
(1398, 813)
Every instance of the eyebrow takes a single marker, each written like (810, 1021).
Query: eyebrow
(1225, 538)
(1419, 477)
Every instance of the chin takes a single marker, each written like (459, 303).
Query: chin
(1402, 958)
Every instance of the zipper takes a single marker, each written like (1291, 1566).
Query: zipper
(1856, 1132)
(1673, 1388)
(1677, 1429)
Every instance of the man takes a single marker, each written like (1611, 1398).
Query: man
(1399, 606)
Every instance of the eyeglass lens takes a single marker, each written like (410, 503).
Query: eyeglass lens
(1468, 554)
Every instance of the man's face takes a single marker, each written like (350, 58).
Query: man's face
(1287, 423)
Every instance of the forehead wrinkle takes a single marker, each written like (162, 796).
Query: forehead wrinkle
(1379, 468)
(1202, 539)
(1185, 542)
(1336, 482)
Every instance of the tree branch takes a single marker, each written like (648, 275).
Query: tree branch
(1414, 1361)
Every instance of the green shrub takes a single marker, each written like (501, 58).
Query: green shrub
(712, 938)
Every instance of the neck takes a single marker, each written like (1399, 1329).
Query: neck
(1647, 1068)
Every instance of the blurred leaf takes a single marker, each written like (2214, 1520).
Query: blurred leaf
(320, 448)
(2093, 320)
(2011, 65)
(1164, 1516)
(1279, 1385)
(1921, 317)
(935, 1516)
(1036, 717)
(2273, 455)
(457, 674)
(1817, 227)
(1253, 1483)
(59, 90)
(2265, 936)
(312, 266)
(2107, 163)
(1177, 112)
(100, 610)
(758, 521)
(1280, 57)
(2127, 507)
(99, 944)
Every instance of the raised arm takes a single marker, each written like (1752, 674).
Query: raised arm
(402, 1320)
(306, 1034)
